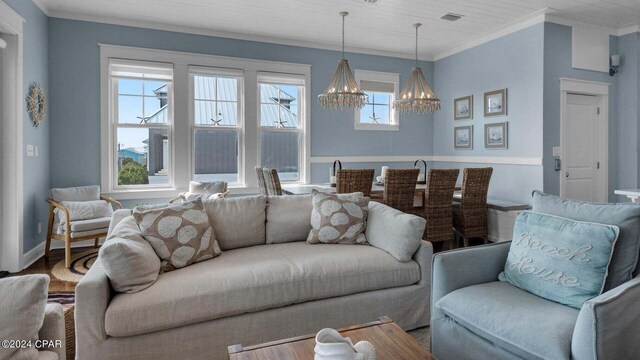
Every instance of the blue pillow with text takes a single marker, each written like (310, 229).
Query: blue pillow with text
(559, 259)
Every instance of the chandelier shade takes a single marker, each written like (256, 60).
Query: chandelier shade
(343, 92)
(416, 95)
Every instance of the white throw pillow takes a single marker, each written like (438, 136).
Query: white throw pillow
(23, 300)
(189, 196)
(128, 259)
(84, 210)
(394, 231)
(288, 218)
(213, 187)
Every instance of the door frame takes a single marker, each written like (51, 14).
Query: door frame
(11, 133)
(601, 91)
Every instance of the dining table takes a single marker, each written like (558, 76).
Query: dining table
(303, 189)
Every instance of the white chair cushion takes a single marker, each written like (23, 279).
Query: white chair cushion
(213, 187)
(23, 300)
(80, 193)
(97, 232)
(91, 224)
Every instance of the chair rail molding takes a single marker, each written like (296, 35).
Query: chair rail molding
(11, 138)
(498, 160)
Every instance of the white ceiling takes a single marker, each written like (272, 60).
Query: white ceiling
(384, 27)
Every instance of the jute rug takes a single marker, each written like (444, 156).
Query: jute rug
(67, 300)
(80, 264)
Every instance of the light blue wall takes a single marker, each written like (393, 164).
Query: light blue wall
(557, 64)
(515, 62)
(75, 67)
(36, 169)
(627, 87)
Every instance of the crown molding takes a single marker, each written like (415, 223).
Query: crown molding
(628, 30)
(43, 6)
(228, 35)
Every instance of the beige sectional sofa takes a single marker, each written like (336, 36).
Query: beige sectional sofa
(267, 284)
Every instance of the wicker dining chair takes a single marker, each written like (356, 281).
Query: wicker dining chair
(272, 182)
(400, 189)
(261, 182)
(438, 207)
(470, 216)
(354, 180)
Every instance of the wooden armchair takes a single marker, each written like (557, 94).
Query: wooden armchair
(75, 230)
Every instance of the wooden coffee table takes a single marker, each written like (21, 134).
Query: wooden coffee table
(390, 341)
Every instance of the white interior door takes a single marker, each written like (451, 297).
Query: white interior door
(581, 149)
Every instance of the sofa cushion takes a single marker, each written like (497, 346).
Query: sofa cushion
(253, 279)
(213, 187)
(23, 300)
(128, 259)
(559, 259)
(513, 319)
(180, 234)
(338, 218)
(626, 216)
(394, 231)
(239, 221)
(288, 218)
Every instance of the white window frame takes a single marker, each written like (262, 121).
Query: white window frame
(303, 129)
(394, 117)
(115, 125)
(212, 71)
(183, 168)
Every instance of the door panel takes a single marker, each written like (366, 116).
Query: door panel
(580, 148)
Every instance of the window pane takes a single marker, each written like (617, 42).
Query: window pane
(204, 111)
(143, 156)
(130, 86)
(155, 88)
(377, 110)
(130, 109)
(152, 106)
(204, 87)
(227, 89)
(279, 150)
(216, 155)
(228, 112)
(279, 106)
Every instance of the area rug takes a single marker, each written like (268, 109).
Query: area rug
(422, 335)
(80, 264)
(67, 300)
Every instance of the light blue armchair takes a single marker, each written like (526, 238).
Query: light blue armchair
(475, 316)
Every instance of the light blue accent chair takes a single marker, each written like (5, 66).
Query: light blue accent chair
(475, 316)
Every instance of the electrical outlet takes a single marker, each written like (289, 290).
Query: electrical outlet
(39, 228)
(30, 150)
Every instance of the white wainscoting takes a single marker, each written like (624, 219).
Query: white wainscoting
(499, 160)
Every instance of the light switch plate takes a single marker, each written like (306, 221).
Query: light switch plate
(556, 151)
(30, 150)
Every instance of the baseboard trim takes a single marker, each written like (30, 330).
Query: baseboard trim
(37, 252)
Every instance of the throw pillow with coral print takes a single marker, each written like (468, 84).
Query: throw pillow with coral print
(338, 218)
(180, 234)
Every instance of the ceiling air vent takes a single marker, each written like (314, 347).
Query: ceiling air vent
(451, 17)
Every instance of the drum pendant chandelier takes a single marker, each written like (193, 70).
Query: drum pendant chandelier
(343, 93)
(416, 96)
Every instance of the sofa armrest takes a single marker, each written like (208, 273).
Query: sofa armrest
(394, 231)
(423, 257)
(117, 216)
(608, 325)
(456, 269)
(53, 330)
(93, 294)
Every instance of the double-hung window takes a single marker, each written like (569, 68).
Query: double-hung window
(217, 122)
(382, 90)
(281, 123)
(141, 116)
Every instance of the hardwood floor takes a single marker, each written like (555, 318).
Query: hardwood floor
(44, 266)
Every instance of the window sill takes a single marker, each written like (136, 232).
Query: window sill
(373, 127)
